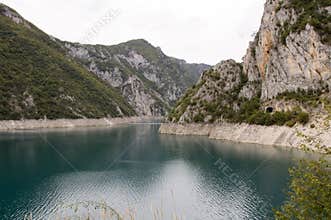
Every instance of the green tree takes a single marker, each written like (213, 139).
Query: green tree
(310, 192)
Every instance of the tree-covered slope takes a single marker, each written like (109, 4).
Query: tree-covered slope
(38, 79)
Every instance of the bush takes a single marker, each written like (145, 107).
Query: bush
(310, 192)
(310, 97)
(303, 118)
(290, 123)
(198, 118)
(289, 118)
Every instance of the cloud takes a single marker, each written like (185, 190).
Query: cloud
(199, 31)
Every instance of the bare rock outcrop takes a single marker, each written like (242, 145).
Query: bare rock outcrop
(148, 79)
(287, 60)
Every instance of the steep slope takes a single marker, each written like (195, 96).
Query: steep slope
(292, 49)
(38, 79)
(285, 76)
(148, 79)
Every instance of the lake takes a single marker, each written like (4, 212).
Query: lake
(139, 173)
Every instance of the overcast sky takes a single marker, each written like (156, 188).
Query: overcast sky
(205, 31)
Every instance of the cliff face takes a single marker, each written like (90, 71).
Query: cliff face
(289, 53)
(287, 69)
(148, 79)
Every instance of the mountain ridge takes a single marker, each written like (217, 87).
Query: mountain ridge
(40, 78)
(150, 80)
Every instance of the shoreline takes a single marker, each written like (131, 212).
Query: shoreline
(299, 137)
(13, 125)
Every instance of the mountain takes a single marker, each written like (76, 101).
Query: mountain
(285, 76)
(38, 80)
(150, 81)
(41, 76)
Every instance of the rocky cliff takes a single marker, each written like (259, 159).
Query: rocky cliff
(148, 79)
(292, 48)
(284, 78)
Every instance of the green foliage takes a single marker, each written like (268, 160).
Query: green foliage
(285, 32)
(327, 106)
(301, 95)
(312, 98)
(303, 117)
(33, 65)
(279, 6)
(212, 74)
(310, 192)
(184, 102)
(310, 12)
(250, 113)
(143, 47)
(198, 118)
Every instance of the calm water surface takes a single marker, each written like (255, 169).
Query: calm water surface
(134, 168)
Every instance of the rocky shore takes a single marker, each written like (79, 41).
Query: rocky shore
(300, 137)
(69, 123)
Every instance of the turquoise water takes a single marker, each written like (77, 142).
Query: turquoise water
(135, 170)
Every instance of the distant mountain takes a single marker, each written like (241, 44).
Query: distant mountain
(41, 76)
(285, 77)
(148, 79)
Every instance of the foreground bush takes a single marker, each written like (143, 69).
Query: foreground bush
(310, 192)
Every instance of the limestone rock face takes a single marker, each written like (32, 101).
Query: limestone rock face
(143, 102)
(291, 52)
(148, 79)
(300, 61)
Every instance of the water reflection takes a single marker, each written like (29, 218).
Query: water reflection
(132, 166)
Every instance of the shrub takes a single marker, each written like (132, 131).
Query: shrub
(198, 118)
(310, 192)
(303, 118)
(290, 123)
